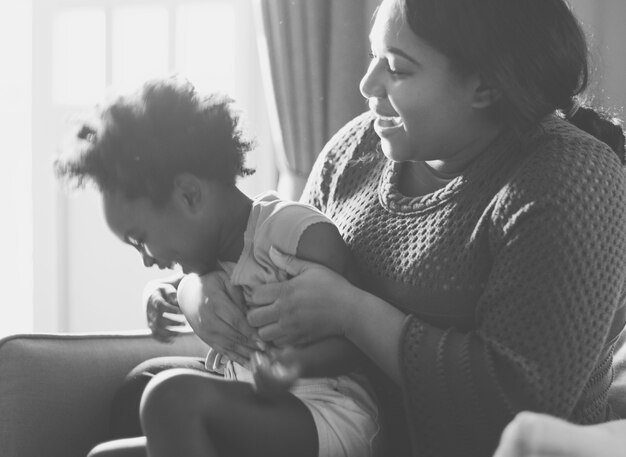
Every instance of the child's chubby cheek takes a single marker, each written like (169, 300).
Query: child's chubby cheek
(191, 298)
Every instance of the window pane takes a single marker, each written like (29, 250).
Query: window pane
(205, 45)
(78, 56)
(140, 45)
(16, 202)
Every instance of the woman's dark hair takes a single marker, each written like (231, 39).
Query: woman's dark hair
(140, 142)
(533, 52)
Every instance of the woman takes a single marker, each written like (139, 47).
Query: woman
(489, 232)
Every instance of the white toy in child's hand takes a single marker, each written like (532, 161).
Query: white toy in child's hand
(191, 298)
(215, 362)
(273, 377)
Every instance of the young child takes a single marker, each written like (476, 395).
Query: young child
(165, 160)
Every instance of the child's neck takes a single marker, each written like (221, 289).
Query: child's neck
(237, 207)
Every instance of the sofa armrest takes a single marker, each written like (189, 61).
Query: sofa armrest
(56, 389)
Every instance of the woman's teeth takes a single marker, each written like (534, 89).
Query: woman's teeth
(389, 121)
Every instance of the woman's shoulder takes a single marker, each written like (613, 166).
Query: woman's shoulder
(564, 170)
(560, 155)
(558, 140)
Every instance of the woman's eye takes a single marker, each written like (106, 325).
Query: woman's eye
(394, 71)
(388, 68)
(386, 65)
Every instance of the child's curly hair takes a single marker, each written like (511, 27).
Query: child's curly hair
(140, 142)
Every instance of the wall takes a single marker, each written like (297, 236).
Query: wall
(603, 20)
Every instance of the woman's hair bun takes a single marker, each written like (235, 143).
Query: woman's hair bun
(601, 125)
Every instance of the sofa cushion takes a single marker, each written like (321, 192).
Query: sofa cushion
(55, 390)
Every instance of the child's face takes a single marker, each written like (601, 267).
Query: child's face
(164, 236)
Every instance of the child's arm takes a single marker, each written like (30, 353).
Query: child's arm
(163, 314)
(320, 243)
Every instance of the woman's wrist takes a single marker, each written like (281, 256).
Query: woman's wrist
(359, 307)
(347, 309)
(374, 326)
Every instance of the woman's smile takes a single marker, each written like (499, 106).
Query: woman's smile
(387, 126)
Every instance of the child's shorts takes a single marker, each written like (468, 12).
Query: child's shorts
(343, 409)
(345, 415)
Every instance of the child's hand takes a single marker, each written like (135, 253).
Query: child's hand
(165, 319)
(215, 362)
(274, 372)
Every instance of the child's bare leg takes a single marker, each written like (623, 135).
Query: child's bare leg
(194, 414)
(129, 447)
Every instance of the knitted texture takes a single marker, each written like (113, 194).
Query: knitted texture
(510, 276)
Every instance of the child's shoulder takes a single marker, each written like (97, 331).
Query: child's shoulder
(280, 223)
(271, 208)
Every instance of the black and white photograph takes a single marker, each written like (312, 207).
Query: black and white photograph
(313, 228)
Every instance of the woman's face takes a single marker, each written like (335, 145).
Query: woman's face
(425, 111)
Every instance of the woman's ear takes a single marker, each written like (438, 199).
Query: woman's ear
(188, 192)
(485, 94)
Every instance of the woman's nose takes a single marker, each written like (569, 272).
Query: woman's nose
(371, 84)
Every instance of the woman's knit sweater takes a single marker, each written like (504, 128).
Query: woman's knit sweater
(510, 275)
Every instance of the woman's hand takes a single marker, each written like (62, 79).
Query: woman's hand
(540, 435)
(164, 316)
(312, 305)
(216, 311)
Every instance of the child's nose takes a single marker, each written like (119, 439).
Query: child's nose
(148, 260)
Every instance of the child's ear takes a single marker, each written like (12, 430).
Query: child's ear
(486, 93)
(188, 192)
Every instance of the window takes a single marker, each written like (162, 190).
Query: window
(15, 195)
(84, 279)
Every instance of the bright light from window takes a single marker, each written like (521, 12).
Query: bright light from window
(140, 45)
(78, 56)
(205, 45)
(16, 269)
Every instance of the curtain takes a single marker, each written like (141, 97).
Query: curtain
(313, 54)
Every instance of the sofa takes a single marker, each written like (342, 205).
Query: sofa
(56, 389)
